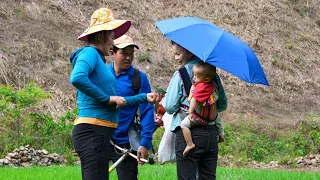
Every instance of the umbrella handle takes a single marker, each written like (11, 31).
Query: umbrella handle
(141, 159)
(128, 152)
(118, 162)
(132, 155)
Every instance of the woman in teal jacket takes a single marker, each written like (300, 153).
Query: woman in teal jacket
(201, 162)
(97, 102)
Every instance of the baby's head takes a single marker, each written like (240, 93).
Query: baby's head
(203, 72)
(181, 54)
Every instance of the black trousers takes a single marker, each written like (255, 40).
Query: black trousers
(201, 162)
(91, 142)
(128, 168)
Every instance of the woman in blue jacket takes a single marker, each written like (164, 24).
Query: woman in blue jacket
(97, 102)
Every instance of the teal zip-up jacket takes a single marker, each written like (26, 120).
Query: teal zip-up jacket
(95, 84)
(176, 96)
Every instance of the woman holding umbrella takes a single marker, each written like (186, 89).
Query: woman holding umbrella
(196, 39)
(201, 160)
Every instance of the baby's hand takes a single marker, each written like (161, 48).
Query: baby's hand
(118, 100)
(221, 139)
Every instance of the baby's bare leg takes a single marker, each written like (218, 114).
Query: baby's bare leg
(188, 138)
(185, 125)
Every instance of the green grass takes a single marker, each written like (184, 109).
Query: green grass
(147, 172)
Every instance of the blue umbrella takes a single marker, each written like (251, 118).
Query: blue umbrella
(214, 46)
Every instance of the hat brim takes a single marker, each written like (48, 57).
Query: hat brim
(123, 45)
(119, 27)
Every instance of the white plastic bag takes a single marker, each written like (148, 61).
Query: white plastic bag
(166, 151)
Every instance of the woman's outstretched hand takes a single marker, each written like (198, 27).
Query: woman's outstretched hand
(118, 100)
(154, 97)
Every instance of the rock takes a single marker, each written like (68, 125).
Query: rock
(31, 150)
(8, 157)
(45, 160)
(27, 156)
(299, 161)
(289, 162)
(44, 156)
(225, 160)
(262, 164)
(27, 146)
(12, 155)
(6, 161)
(16, 150)
(314, 162)
(50, 156)
(311, 156)
(25, 164)
(24, 159)
(301, 165)
(14, 161)
(45, 152)
(307, 161)
(272, 163)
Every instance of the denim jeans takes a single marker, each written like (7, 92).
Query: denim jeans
(128, 168)
(201, 162)
(91, 142)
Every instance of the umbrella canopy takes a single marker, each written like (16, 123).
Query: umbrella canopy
(214, 46)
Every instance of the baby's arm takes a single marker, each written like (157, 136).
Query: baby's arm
(193, 105)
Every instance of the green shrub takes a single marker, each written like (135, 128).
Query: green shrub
(145, 57)
(14, 106)
(21, 124)
(247, 141)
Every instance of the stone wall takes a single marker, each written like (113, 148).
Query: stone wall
(25, 156)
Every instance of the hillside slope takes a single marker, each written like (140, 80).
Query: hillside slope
(37, 37)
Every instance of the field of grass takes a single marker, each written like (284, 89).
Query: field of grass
(154, 172)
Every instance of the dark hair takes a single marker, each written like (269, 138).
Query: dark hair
(93, 38)
(209, 70)
(115, 49)
(174, 43)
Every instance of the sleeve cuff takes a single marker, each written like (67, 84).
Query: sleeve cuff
(145, 143)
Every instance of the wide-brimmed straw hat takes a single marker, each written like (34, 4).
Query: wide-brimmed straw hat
(124, 41)
(102, 19)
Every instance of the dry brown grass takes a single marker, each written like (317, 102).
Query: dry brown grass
(37, 37)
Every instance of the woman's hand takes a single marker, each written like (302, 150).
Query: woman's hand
(154, 97)
(118, 100)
